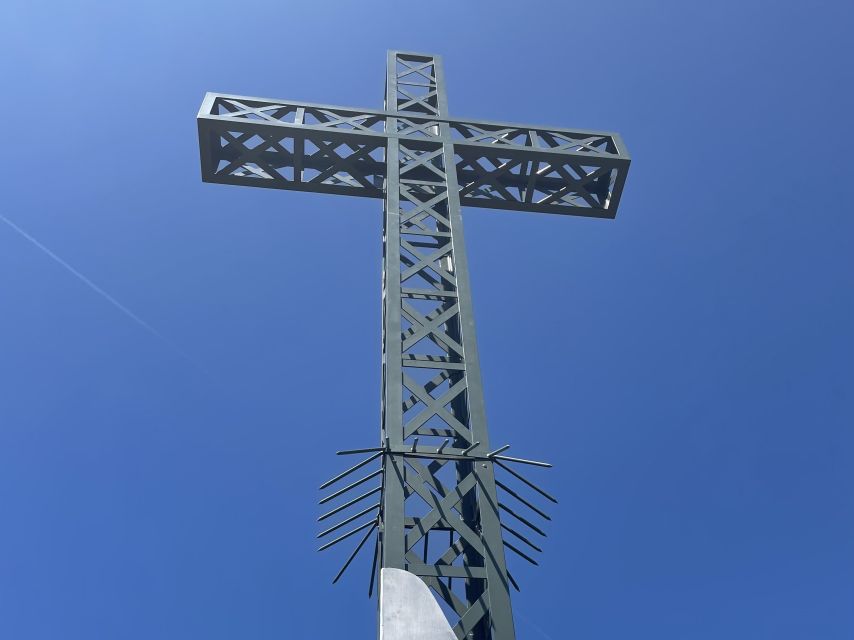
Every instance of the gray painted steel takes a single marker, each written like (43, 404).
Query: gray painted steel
(313, 147)
(438, 514)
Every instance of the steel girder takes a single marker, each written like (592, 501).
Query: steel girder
(438, 500)
(431, 377)
(328, 149)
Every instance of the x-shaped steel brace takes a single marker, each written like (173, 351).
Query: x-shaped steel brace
(245, 155)
(581, 144)
(490, 176)
(339, 163)
(244, 110)
(498, 136)
(412, 159)
(410, 128)
(423, 209)
(428, 261)
(574, 185)
(429, 387)
(428, 326)
(336, 121)
(413, 100)
(419, 70)
(435, 407)
(440, 509)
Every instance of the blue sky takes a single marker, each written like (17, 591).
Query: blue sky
(687, 367)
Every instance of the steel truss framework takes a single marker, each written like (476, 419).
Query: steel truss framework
(436, 503)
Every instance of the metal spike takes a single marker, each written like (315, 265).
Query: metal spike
(471, 448)
(497, 451)
(536, 463)
(355, 552)
(542, 492)
(350, 486)
(521, 537)
(349, 471)
(533, 508)
(513, 582)
(519, 553)
(530, 524)
(374, 567)
(348, 520)
(348, 504)
(347, 452)
(347, 535)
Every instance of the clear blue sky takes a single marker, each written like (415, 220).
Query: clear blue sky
(688, 367)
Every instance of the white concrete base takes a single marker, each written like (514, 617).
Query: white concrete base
(408, 610)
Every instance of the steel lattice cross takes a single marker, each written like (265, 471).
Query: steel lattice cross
(438, 511)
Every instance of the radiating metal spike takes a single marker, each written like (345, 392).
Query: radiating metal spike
(332, 496)
(521, 537)
(348, 504)
(348, 520)
(533, 508)
(536, 463)
(355, 552)
(374, 566)
(347, 452)
(524, 521)
(349, 471)
(347, 535)
(471, 448)
(513, 582)
(497, 451)
(542, 492)
(519, 553)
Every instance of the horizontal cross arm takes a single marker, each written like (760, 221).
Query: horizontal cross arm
(330, 149)
(309, 115)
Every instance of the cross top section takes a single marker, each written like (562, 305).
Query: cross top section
(323, 148)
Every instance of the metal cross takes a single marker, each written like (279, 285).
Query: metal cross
(437, 515)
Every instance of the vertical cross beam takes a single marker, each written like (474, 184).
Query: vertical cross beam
(431, 382)
(438, 514)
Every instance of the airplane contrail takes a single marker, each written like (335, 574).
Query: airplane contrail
(94, 287)
(531, 624)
